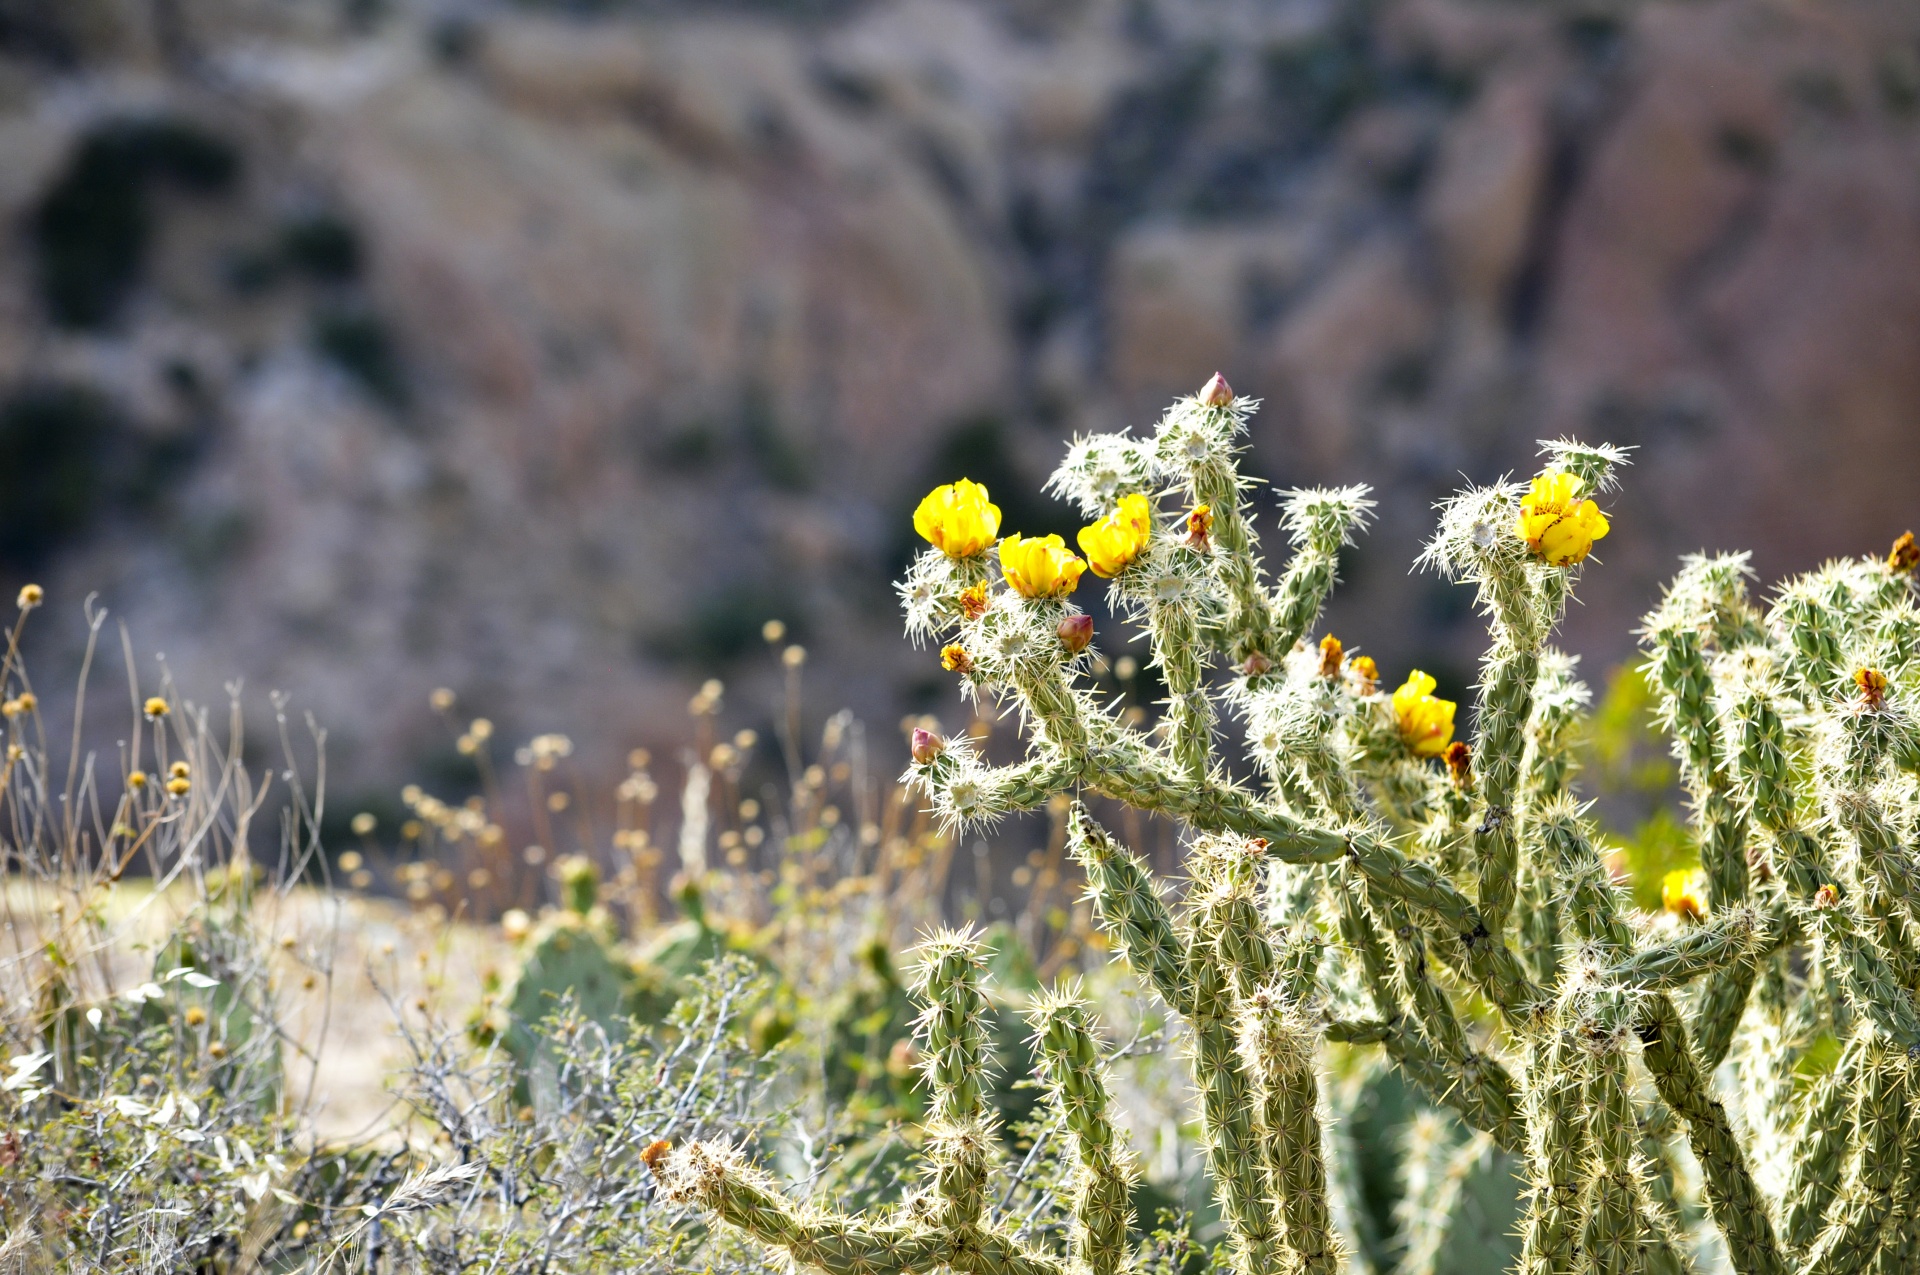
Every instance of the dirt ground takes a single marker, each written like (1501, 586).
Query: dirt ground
(346, 969)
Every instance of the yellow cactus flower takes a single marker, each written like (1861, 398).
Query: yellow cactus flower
(1426, 720)
(1367, 672)
(1041, 567)
(1117, 541)
(958, 519)
(1684, 892)
(1556, 523)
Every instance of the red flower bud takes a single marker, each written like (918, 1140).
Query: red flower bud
(1076, 633)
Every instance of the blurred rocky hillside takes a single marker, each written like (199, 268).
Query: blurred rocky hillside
(544, 350)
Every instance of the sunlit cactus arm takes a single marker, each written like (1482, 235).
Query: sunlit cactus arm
(966, 790)
(1547, 766)
(1129, 908)
(1235, 1158)
(1088, 747)
(1858, 1220)
(1477, 1096)
(1808, 620)
(1557, 1150)
(1761, 766)
(1871, 986)
(1737, 1206)
(1174, 620)
(1820, 1151)
(1196, 444)
(715, 1177)
(953, 1033)
(1477, 543)
(1612, 1226)
(1076, 1076)
(1470, 945)
(1357, 1031)
(1226, 911)
(1293, 898)
(1278, 1042)
(1480, 1084)
(1320, 522)
(1592, 902)
(1739, 934)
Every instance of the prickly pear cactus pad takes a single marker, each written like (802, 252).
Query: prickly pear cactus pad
(1426, 886)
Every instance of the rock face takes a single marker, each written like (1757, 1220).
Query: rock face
(545, 354)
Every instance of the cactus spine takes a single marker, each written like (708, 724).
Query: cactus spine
(1360, 893)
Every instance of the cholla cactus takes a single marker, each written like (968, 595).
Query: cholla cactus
(1447, 901)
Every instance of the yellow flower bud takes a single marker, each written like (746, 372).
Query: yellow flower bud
(1367, 672)
(958, 519)
(27, 702)
(156, 707)
(137, 780)
(1684, 892)
(1040, 567)
(1332, 655)
(179, 787)
(1556, 523)
(1426, 720)
(1116, 541)
(31, 596)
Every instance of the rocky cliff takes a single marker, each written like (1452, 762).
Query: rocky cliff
(544, 350)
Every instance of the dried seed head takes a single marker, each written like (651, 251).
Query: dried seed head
(1873, 686)
(1901, 559)
(1459, 759)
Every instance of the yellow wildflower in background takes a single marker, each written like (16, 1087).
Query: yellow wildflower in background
(1684, 892)
(1556, 523)
(1040, 567)
(1426, 720)
(1116, 541)
(958, 519)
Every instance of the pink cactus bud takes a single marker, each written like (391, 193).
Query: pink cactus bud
(1216, 393)
(926, 746)
(1076, 632)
